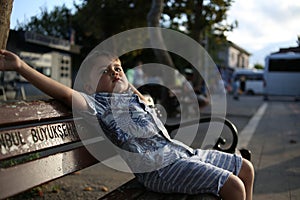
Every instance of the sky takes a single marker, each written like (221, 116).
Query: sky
(264, 26)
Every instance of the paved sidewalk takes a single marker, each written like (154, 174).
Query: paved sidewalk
(275, 148)
(275, 145)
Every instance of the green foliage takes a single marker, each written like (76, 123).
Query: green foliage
(95, 21)
(19, 160)
(56, 23)
(199, 17)
(258, 66)
(204, 21)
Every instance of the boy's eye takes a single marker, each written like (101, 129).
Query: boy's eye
(105, 71)
(118, 69)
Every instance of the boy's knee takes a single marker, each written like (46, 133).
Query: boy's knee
(247, 170)
(233, 189)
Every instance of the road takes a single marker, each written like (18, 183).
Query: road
(274, 140)
(271, 130)
(276, 151)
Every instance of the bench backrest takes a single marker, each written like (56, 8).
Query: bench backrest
(38, 143)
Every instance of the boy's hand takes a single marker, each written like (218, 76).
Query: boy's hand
(9, 61)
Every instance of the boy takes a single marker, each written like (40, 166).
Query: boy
(161, 164)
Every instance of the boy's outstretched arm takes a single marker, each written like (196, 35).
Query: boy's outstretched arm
(11, 62)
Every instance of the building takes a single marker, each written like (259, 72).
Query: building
(233, 57)
(54, 57)
(289, 49)
(229, 59)
(53, 64)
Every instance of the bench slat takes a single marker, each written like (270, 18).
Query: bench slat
(203, 197)
(133, 190)
(17, 141)
(128, 191)
(22, 112)
(36, 172)
(158, 196)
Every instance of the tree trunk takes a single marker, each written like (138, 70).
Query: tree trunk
(5, 12)
(153, 18)
(163, 56)
(198, 34)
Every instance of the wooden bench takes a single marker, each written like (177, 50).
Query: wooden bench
(40, 143)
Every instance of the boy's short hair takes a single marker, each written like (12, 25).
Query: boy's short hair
(88, 64)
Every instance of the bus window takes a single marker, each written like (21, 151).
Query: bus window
(284, 65)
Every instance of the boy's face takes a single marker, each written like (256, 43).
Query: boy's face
(108, 76)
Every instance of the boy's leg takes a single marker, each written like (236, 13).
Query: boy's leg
(247, 176)
(190, 176)
(241, 186)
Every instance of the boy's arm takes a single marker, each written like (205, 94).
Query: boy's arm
(11, 62)
(148, 101)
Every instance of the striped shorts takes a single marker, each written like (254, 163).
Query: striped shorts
(204, 172)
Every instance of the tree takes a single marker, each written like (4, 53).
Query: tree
(153, 19)
(56, 23)
(204, 21)
(5, 10)
(98, 20)
(199, 17)
(95, 21)
(258, 66)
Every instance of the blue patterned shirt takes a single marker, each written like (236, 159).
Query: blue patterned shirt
(135, 130)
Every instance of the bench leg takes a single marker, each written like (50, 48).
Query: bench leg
(246, 154)
(3, 93)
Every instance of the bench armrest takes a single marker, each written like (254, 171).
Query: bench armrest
(220, 141)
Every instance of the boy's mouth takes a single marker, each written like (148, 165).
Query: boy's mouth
(116, 79)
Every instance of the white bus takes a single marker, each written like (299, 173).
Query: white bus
(282, 75)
